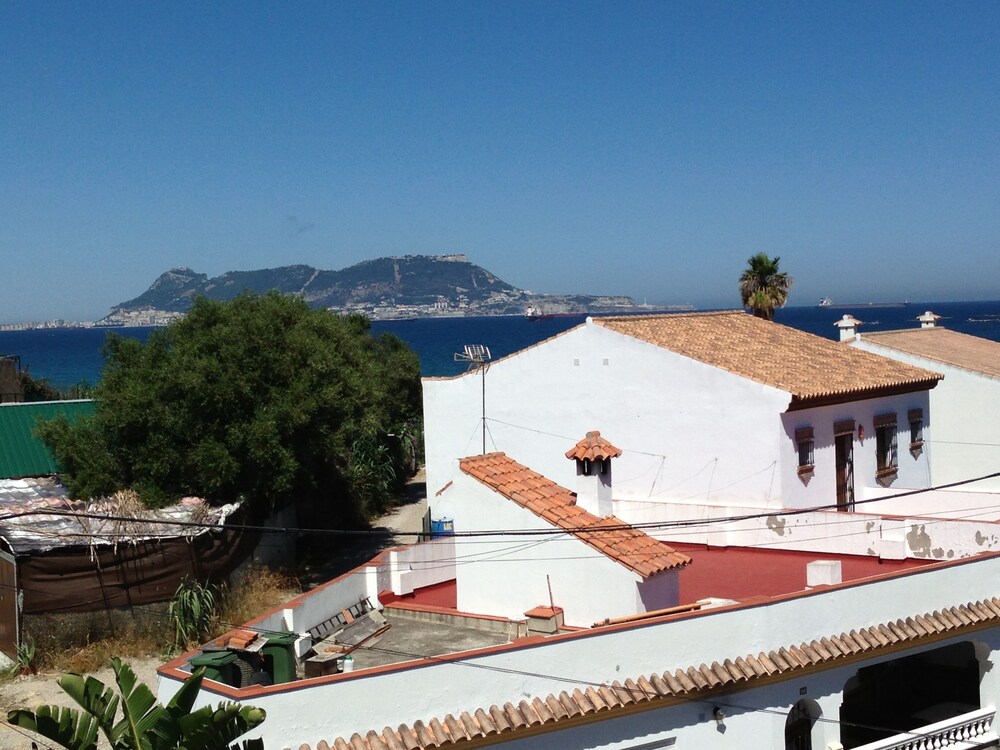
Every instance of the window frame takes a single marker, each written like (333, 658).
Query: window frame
(886, 446)
(916, 419)
(805, 445)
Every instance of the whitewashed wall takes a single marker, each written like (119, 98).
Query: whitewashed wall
(962, 433)
(958, 503)
(308, 711)
(821, 488)
(687, 429)
(892, 536)
(755, 718)
(418, 565)
(508, 575)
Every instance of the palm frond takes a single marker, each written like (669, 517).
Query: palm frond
(219, 728)
(69, 727)
(140, 711)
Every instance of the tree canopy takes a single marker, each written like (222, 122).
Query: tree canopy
(259, 398)
(763, 288)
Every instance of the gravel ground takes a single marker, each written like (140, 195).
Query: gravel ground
(41, 689)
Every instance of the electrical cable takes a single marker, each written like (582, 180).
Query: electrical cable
(580, 530)
(34, 740)
(590, 683)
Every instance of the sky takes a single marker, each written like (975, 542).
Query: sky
(644, 149)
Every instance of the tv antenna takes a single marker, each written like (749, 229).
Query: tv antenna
(478, 357)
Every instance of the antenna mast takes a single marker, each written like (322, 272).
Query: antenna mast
(478, 357)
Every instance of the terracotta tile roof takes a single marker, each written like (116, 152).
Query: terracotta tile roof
(804, 365)
(502, 724)
(611, 536)
(593, 447)
(945, 346)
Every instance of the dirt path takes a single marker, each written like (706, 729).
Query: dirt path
(41, 689)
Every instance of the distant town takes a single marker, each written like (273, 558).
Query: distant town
(444, 308)
(394, 288)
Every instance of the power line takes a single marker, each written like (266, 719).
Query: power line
(637, 688)
(577, 530)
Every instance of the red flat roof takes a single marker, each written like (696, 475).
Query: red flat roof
(744, 572)
(720, 572)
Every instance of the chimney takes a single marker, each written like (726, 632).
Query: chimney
(823, 573)
(928, 319)
(593, 457)
(848, 327)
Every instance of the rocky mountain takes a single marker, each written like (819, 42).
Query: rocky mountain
(411, 284)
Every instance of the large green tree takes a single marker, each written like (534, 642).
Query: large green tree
(260, 398)
(763, 288)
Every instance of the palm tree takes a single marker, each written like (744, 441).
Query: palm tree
(145, 724)
(763, 288)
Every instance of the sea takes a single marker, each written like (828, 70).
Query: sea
(65, 357)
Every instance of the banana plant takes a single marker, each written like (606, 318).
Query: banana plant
(144, 724)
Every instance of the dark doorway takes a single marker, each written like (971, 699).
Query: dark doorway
(903, 694)
(845, 471)
(8, 605)
(799, 725)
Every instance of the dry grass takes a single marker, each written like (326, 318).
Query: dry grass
(258, 590)
(85, 642)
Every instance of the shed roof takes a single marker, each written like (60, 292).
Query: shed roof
(942, 345)
(611, 536)
(40, 515)
(21, 453)
(809, 367)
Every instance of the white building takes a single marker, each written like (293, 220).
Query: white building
(896, 656)
(539, 542)
(718, 409)
(553, 619)
(966, 434)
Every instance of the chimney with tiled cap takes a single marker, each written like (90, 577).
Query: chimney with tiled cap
(848, 326)
(928, 319)
(593, 457)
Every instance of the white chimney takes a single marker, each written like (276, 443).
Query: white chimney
(593, 457)
(848, 327)
(928, 319)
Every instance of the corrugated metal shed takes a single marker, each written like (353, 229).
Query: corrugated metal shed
(21, 453)
(28, 528)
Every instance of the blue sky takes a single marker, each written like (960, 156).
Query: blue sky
(629, 148)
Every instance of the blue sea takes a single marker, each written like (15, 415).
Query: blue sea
(68, 356)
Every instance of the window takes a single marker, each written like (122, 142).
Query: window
(916, 419)
(885, 446)
(805, 443)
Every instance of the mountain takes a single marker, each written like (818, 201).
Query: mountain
(384, 287)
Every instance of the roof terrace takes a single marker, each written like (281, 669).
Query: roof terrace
(359, 614)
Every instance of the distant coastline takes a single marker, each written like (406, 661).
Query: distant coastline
(161, 318)
(67, 355)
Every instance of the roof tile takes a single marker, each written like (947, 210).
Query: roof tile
(594, 699)
(594, 448)
(611, 536)
(942, 345)
(498, 719)
(800, 363)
